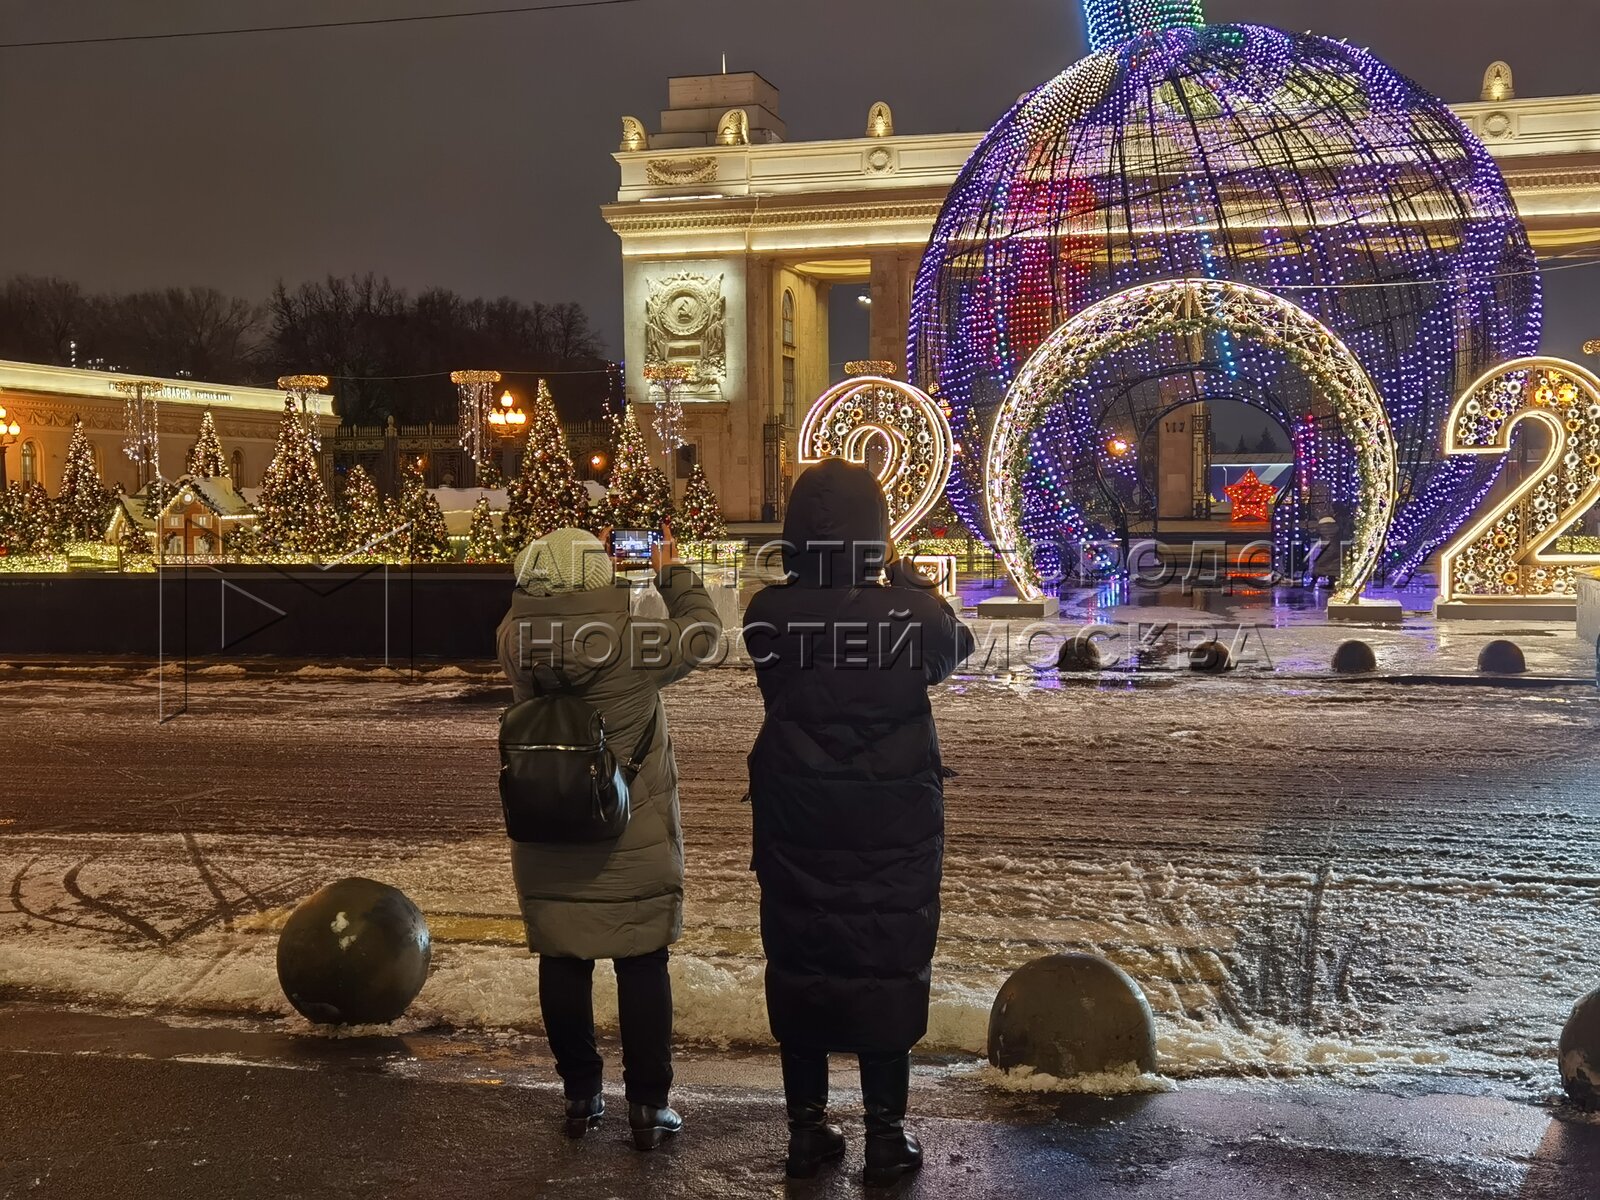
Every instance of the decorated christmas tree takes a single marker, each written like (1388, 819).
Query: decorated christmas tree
(28, 521)
(156, 495)
(38, 532)
(699, 516)
(424, 534)
(83, 505)
(364, 519)
(641, 497)
(483, 540)
(296, 517)
(135, 541)
(206, 460)
(547, 494)
(12, 540)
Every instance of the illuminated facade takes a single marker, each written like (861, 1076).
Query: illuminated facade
(732, 238)
(45, 400)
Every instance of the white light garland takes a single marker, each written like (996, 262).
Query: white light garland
(476, 391)
(913, 426)
(1505, 554)
(1187, 307)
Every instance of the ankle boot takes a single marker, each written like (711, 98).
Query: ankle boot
(584, 1115)
(885, 1089)
(812, 1141)
(652, 1126)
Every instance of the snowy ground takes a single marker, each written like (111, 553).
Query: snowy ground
(1309, 877)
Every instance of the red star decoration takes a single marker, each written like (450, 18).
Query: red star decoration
(1251, 499)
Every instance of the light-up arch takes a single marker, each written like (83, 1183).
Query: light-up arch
(920, 450)
(1190, 308)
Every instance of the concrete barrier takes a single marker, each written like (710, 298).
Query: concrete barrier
(1589, 607)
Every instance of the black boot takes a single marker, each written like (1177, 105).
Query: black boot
(885, 1089)
(584, 1115)
(812, 1141)
(652, 1126)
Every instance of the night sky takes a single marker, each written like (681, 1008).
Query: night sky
(474, 153)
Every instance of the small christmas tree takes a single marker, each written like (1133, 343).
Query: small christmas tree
(296, 517)
(83, 505)
(37, 529)
(483, 541)
(547, 494)
(206, 460)
(699, 516)
(135, 541)
(11, 513)
(641, 497)
(424, 535)
(156, 495)
(365, 521)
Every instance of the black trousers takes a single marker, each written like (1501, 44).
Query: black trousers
(805, 1076)
(644, 1010)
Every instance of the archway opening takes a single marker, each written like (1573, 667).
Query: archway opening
(1067, 455)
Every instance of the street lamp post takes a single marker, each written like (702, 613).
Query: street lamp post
(507, 421)
(9, 430)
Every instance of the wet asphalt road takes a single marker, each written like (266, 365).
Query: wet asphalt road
(95, 1106)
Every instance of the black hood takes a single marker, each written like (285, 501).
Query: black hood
(836, 532)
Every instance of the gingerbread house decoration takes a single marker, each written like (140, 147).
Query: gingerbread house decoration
(198, 517)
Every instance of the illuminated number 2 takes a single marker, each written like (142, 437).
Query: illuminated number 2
(1506, 553)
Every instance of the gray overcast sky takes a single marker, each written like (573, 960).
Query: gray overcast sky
(474, 153)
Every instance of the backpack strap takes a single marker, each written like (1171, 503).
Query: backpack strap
(635, 764)
(558, 682)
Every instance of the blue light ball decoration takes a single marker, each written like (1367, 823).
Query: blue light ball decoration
(1298, 164)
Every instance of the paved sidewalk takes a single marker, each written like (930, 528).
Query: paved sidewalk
(134, 1108)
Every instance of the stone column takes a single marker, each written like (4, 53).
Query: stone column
(893, 274)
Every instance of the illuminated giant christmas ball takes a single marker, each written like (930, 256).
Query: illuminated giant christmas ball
(1302, 166)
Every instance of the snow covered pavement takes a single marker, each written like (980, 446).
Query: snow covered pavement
(1308, 877)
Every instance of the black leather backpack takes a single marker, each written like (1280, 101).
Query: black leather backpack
(559, 780)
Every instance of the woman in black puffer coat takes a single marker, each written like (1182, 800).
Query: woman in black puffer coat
(847, 789)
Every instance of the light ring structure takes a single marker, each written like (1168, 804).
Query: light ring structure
(1188, 308)
(921, 450)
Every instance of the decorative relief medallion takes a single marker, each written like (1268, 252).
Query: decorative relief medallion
(880, 161)
(1499, 126)
(672, 172)
(686, 318)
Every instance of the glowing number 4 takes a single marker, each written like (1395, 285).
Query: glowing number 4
(1506, 553)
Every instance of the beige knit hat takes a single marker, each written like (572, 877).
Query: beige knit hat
(566, 560)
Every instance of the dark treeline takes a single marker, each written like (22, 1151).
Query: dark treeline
(390, 351)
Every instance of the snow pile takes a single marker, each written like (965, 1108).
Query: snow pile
(1126, 1080)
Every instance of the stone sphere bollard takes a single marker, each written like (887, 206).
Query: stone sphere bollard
(1355, 657)
(1579, 1053)
(1211, 658)
(1079, 654)
(354, 953)
(1502, 658)
(1070, 1015)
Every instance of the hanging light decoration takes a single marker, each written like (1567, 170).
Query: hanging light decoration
(476, 390)
(667, 378)
(141, 422)
(305, 391)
